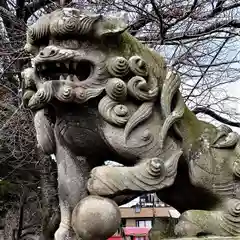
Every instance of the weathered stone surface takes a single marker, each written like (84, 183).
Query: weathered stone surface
(98, 94)
(96, 217)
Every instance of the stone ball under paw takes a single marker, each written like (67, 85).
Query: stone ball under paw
(96, 218)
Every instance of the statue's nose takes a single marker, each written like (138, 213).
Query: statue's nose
(47, 52)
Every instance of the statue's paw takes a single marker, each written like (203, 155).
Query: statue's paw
(197, 222)
(64, 233)
(186, 229)
(102, 181)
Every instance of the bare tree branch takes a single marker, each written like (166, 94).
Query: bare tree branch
(156, 10)
(215, 116)
(214, 58)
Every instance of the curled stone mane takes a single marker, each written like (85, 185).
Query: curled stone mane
(127, 70)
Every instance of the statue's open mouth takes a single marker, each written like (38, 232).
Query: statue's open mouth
(64, 74)
(65, 70)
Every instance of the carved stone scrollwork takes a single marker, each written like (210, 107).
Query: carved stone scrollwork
(42, 96)
(38, 30)
(223, 130)
(169, 90)
(63, 90)
(225, 138)
(116, 89)
(72, 24)
(236, 168)
(230, 141)
(156, 167)
(230, 220)
(142, 113)
(148, 174)
(118, 66)
(84, 94)
(233, 207)
(138, 66)
(236, 162)
(139, 89)
(113, 112)
(65, 94)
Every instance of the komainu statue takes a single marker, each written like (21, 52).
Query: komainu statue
(98, 94)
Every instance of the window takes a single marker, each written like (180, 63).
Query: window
(123, 222)
(144, 223)
(137, 208)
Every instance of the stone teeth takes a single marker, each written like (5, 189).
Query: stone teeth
(75, 78)
(74, 64)
(61, 78)
(69, 78)
(67, 64)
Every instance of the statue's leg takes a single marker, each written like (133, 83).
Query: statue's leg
(73, 173)
(223, 222)
(147, 176)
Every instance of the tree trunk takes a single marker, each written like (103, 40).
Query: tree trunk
(50, 203)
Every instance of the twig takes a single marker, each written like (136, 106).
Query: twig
(215, 116)
(205, 71)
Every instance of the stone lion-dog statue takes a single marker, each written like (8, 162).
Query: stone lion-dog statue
(97, 93)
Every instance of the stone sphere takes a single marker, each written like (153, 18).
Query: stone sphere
(96, 218)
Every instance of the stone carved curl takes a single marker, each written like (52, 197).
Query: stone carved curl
(64, 91)
(113, 112)
(69, 21)
(236, 168)
(72, 24)
(38, 30)
(139, 89)
(236, 162)
(138, 66)
(230, 220)
(84, 94)
(233, 207)
(142, 114)
(42, 96)
(55, 54)
(156, 167)
(169, 91)
(118, 66)
(230, 141)
(116, 89)
(65, 94)
(223, 131)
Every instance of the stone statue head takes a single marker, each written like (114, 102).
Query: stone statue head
(77, 56)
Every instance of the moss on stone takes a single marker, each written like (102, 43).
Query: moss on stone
(192, 128)
(129, 46)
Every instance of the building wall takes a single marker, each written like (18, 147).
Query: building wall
(130, 222)
(147, 212)
(143, 216)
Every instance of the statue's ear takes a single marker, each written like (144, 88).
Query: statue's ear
(111, 25)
